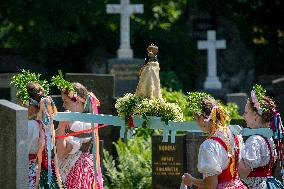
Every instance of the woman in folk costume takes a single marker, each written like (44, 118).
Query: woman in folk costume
(76, 163)
(40, 141)
(260, 153)
(219, 155)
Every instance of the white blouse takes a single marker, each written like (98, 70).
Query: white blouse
(33, 136)
(213, 158)
(256, 151)
(77, 142)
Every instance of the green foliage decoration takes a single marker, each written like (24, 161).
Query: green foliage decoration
(260, 92)
(194, 99)
(21, 80)
(61, 83)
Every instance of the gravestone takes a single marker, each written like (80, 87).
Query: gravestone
(278, 92)
(168, 162)
(240, 99)
(103, 87)
(126, 72)
(211, 45)
(14, 152)
(266, 81)
(193, 141)
(278, 85)
(7, 91)
(57, 99)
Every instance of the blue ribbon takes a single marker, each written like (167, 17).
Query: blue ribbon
(47, 124)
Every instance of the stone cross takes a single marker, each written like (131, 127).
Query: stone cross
(211, 45)
(126, 10)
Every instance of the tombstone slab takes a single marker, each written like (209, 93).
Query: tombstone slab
(240, 99)
(8, 91)
(193, 141)
(101, 84)
(168, 162)
(278, 86)
(13, 149)
(126, 72)
(266, 81)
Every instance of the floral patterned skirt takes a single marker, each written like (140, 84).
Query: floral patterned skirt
(33, 168)
(236, 184)
(78, 174)
(263, 183)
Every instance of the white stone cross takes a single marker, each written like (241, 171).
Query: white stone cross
(211, 45)
(126, 10)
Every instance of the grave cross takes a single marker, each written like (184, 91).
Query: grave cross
(211, 45)
(126, 10)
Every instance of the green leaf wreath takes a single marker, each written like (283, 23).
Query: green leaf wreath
(194, 99)
(260, 92)
(21, 80)
(61, 83)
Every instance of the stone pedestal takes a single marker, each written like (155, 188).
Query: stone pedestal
(212, 83)
(126, 73)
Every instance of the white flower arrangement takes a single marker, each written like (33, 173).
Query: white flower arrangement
(131, 104)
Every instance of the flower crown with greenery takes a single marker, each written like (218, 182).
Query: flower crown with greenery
(194, 99)
(256, 96)
(21, 80)
(63, 85)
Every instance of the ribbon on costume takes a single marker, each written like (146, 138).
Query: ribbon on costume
(79, 132)
(46, 113)
(93, 102)
(278, 130)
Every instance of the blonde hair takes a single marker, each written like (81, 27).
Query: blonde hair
(215, 113)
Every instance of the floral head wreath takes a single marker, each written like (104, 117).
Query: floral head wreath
(68, 89)
(65, 86)
(256, 96)
(21, 80)
(195, 99)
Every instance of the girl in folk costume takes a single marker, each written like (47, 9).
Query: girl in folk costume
(260, 152)
(76, 163)
(32, 94)
(219, 155)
